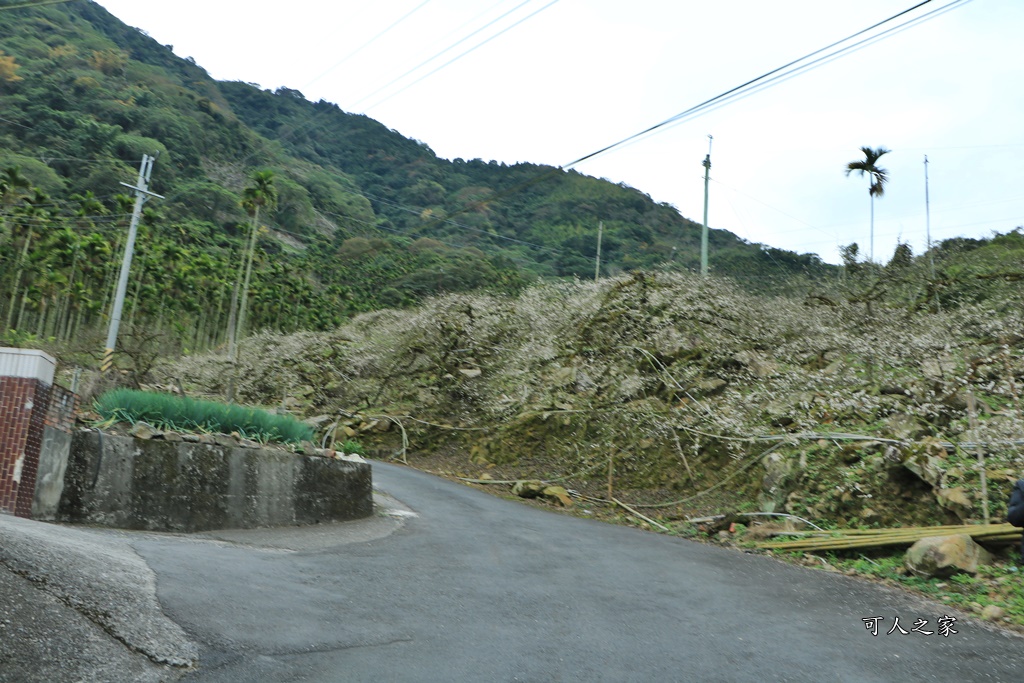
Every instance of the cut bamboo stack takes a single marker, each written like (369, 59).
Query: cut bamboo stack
(903, 536)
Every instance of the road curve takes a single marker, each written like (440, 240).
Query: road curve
(476, 588)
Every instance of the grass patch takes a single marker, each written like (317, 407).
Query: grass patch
(166, 411)
(996, 584)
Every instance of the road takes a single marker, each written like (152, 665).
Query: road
(477, 588)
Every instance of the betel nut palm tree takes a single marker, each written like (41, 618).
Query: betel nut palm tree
(261, 193)
(877, 178)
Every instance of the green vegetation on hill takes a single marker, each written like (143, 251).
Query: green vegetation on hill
(365, 217)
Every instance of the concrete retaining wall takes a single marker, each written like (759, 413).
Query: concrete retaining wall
(129, 483)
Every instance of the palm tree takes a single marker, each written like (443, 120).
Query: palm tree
(877, 177)
(258, 195)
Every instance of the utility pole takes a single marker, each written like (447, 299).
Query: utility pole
(928, 220)
(142, 193)
(704, 232)
(597, 265)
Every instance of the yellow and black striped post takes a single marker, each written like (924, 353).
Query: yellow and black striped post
(108, 360)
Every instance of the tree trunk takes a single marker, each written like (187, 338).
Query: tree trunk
(248, 274)
(17, 282)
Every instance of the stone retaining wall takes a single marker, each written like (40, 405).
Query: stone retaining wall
(130, 483)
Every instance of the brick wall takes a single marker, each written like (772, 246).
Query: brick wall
(36, 421)
(24, 404)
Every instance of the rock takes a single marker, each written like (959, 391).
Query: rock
(926, 459)
(207, 439)
(190, 438)
(224, 440)
(758, 365)
(382, 426)
(143, 430)
(292, 403)
(558, 494)
(993, 613)
(173, 436)
(470, 372)
(350, 457)
(528, 488)
(307, 447)
(773, 492)
(955, 500)
(367, 426)
(944, 556)
(344, 432)
(939, 367)
(249, 443)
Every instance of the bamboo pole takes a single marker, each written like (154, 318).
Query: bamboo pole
(894, 537)
(640, 516)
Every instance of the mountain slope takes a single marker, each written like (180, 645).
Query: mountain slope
(364, 218)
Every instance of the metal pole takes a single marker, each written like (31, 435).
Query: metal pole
(597, 265)
(704, 231)
(142, 193)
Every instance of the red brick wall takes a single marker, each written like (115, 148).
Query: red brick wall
(24, 404)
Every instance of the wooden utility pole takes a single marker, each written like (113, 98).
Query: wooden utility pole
(704, 232)
(597, 265)
(142, 193)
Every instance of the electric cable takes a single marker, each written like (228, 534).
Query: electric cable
(757, 80)
(732, 92)
(362, 47)
(450, 47)
(454, 59)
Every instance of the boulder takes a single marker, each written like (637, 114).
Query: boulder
(558, 494)
(528, 488)
(944, 556)
(993, 613)
(927, 459)
(955, 500)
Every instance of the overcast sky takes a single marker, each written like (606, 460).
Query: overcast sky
(581, 74)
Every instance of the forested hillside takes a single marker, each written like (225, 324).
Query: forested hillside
(356, 216)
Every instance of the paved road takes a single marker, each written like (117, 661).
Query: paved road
(476, 588)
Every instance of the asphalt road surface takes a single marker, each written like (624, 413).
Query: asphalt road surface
(476, 588)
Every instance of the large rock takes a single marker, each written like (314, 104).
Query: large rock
(927, 459)
(944, 556)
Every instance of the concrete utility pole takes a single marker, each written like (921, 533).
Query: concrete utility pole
(704, 232)
(597, 265)
(142, 193)
(928, 220)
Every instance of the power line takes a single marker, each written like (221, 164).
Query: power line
(460, 56)
(767, 75)
(362, 47)
(731, 94)
(430, 59)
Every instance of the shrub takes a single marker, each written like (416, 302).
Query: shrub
(167, 411)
